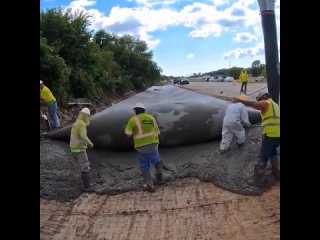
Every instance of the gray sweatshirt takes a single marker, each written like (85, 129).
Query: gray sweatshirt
(236, 113)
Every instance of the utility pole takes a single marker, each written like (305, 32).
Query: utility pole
(270, 47)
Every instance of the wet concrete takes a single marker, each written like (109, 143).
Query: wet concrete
(117, 172)
(183, 116)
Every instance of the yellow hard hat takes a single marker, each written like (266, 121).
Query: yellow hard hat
(242, 97)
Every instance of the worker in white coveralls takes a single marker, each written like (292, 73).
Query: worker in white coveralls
(144, 129)
(235, 119)
(79, 142)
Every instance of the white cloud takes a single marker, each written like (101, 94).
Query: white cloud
(190, 56)
(244, 37)
(244, 52)
(257, 30)
(150, 3)
(82, 3)
(203, 20)
(206, 20)
(219, 2)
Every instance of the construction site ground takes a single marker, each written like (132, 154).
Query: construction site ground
(181, 209)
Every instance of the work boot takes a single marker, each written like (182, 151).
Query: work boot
(275, 166)
(87, 186)
(224, 151)
(240, 145)
(259, 170)
(148, 186)
(159, 175)
(259, 177)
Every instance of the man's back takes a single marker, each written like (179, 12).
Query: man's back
(236, 112)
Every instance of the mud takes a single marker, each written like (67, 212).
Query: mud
(117, 172)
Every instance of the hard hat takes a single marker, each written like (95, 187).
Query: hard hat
(86, 111)
(261, 95)
(139, 105)
(41, 82)
(242, 97)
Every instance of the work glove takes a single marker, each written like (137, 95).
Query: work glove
(235, 99)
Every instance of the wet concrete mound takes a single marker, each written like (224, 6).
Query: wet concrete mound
(117, 172)
(190, 125)
(184, 117)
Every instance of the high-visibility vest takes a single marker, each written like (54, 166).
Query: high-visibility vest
(271, 120)
(243, 76)
(144, 129)
(78, 136)
(47, 95)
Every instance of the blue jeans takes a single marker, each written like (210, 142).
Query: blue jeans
(268, 149)
(145, 160)
(52, 108)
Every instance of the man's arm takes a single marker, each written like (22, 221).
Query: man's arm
(262, 105)
(156, 126)
(128, 128)
(245, 117)
(83, 136)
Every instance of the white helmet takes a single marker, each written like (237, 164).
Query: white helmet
(261, 95)
(139, 105)
(41, 82)
(85, 110)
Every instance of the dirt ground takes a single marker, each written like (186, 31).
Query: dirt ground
(184, 209)
(181, 209)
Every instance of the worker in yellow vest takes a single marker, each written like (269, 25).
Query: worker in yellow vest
(47, 98)
(79, 142)
(244, 81)
(144, 129)
(270, 115)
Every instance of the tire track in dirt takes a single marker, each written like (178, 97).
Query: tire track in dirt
(183, 209)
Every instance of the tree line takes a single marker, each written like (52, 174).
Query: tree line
(76, 62)
(256, 69)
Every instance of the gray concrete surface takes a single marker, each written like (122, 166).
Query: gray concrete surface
(183, 117)
(117, 172)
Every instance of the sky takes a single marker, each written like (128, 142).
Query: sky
(185, 36)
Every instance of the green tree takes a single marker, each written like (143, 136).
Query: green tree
(53, 70)
(79, 63)
(235, 72)
(256, 68)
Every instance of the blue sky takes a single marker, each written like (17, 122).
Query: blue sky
(186, 36)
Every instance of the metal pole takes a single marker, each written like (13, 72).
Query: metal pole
(271, 47)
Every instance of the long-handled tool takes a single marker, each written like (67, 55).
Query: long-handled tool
(257, 90)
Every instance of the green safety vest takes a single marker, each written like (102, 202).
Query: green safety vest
(47, 95)
(78, 136)
(271, 120)
(243, 77)
(144, 129)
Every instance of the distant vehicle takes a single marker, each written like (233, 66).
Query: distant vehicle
(259, 79)
(176, 81)
(212, 79)
(183, 82)
(221, 79)
(229, 79)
